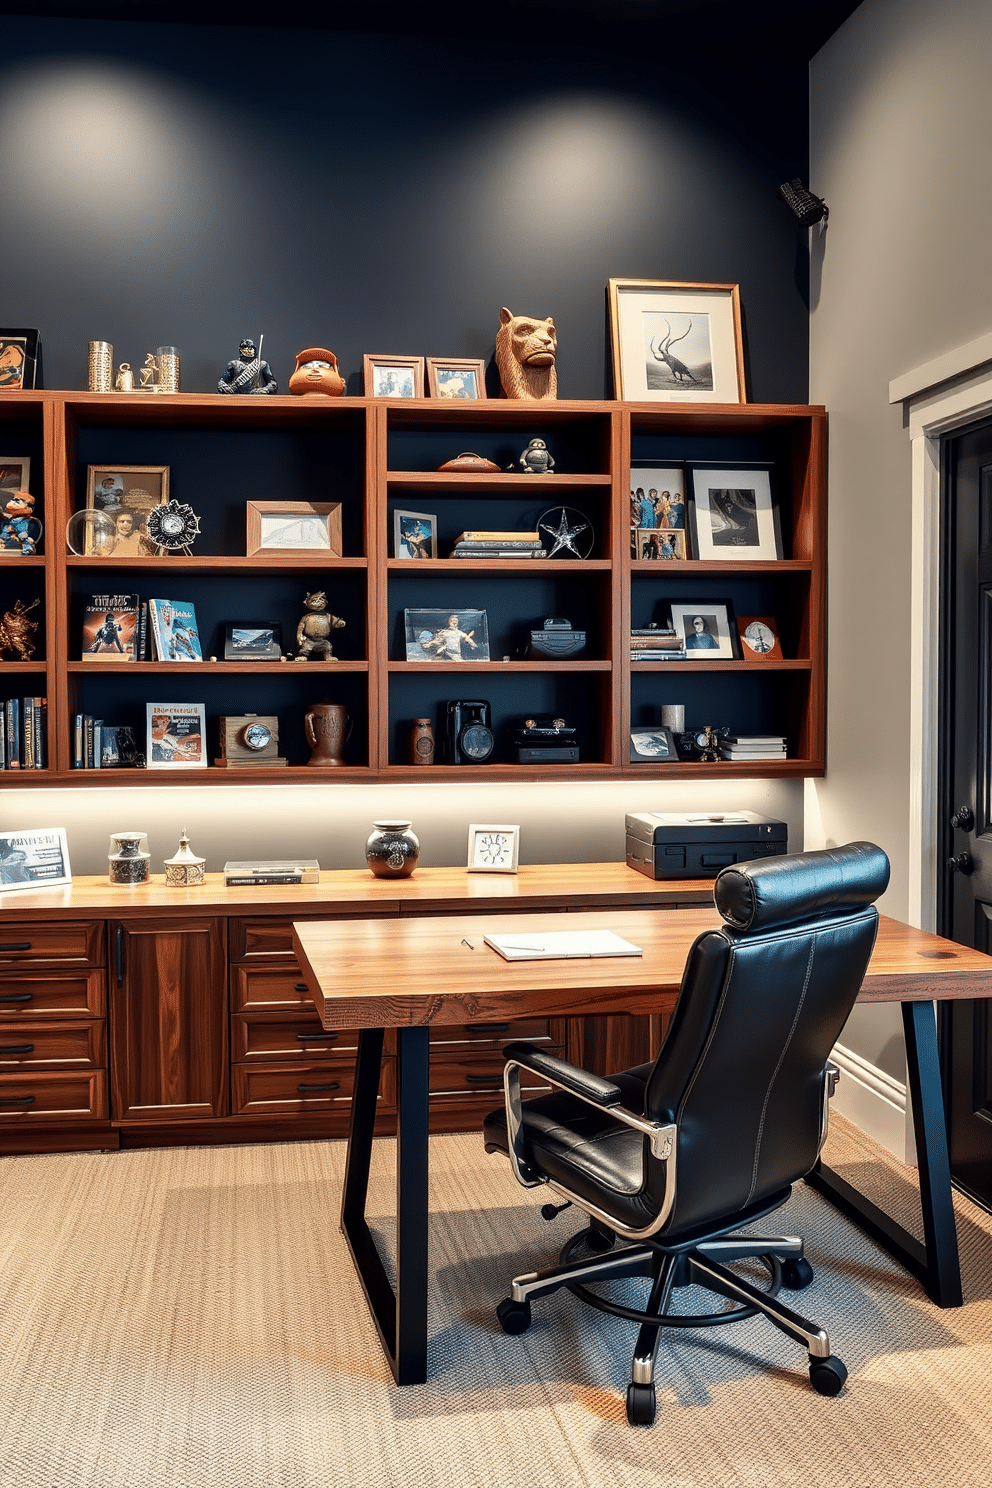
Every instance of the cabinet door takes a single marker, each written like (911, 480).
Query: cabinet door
(168, 1019)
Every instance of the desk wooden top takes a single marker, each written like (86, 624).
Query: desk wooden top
(355, 891)
(408, 972)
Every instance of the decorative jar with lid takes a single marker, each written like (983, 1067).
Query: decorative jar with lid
(393, 850)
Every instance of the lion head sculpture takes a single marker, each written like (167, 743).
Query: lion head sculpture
(525, 356)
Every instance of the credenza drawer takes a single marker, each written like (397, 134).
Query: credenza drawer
(543, 1031)
(269, 989)
(76, 1045)
(53, 1097)
(51, 994)
(455, 1077)
(55, 940)
(287, 1089)
(273, 1036)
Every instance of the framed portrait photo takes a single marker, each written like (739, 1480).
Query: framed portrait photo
(414, 535)
(660, 544)
(18, 360)
(456, 377)
(653, 746)
(294, 527)
(252, 640)
(759, 638)
(675, 342)
(393, 376)
(126, 494)
(447, 636)
(733, 514)
(493, 848)
(35, 858)
(707, 629)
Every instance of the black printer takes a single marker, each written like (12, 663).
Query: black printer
(697, 844)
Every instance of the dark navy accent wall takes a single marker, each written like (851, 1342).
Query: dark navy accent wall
(194, 184)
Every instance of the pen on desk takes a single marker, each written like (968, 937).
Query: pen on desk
(468, 943)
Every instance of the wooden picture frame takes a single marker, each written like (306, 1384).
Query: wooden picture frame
(293, 527)
(18, 359)
(15, 474)
(393, 376)
(33, 858)
(759, 638)
(456, 378)
(661, 544)
(493, 848)
(732, 512)
(715, 639)
(121, 491)
(651, 318)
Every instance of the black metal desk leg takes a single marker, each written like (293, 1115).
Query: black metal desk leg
(400, 1316)
(935, 1262)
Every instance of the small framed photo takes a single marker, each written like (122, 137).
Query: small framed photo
(733, 513)
(176, 736)
(393, 376)
(449, 636)
(18, 360)
(252, 640)
(294, 527)
(759, 638)
(456, 377)
(126, 493)
(15, 474)
(657, 495)
(493, 849)
(675, 342)
(36, 858)
(707, 629)
(660, 543)
(414, 535)
(655, 745)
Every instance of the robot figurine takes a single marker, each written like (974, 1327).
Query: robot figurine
(536, 459)
(313, 631)
(248, 374)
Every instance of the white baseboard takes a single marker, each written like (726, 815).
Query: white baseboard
(876, 1103)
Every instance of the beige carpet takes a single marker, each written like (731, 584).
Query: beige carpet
(190, 1319)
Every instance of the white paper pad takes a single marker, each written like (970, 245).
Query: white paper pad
(560, 945)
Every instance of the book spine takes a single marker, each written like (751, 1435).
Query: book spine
(27, 713)
(13, 735)
(97, 743)
(3, 738)
(77, 742)
(41, 733)
(271, 878)
(88, 741)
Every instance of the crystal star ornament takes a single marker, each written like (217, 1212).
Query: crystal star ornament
(564, 526)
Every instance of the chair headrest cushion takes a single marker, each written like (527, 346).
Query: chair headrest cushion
(780, 891)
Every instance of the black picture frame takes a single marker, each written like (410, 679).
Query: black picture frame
(653, 744)
(266, 647)
(27, 341)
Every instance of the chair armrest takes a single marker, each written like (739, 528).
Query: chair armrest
(569, 1077)
(833, 1078)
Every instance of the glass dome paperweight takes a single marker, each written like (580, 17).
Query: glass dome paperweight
(91, 534)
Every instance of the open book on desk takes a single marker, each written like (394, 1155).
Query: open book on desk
(560, 945)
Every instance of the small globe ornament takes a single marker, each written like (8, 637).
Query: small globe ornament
(173, 526)
(90, 534)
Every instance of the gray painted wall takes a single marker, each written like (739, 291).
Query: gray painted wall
(900, 105)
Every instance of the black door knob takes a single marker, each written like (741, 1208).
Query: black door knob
(963, 863)
(963, 819)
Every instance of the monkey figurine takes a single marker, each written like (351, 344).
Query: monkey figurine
(313, 631)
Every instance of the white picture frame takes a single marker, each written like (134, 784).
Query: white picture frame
(493, 848)
(33, 858)
(676, 342)
(414, 535)
(733, 516)
(715, 639)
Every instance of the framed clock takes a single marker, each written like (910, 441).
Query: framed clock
(493, 849)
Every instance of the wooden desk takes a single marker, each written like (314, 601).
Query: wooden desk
(411, 974)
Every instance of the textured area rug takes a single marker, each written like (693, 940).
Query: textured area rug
(189, 1318)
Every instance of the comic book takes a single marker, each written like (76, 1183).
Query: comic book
(110, 627)
(175, 738)
(174, 631)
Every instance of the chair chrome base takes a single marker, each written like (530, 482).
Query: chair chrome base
(701, 1264)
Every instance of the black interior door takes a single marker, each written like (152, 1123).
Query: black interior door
(965, 888)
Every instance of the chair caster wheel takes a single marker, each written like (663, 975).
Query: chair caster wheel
(796, 1274)
(827, 1376)
(600, 1240)
(641, 1405)
(514, 1317)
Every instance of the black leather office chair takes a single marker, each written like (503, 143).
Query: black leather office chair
(676, 1155)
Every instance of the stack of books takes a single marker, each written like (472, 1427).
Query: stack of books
(655, 644)
(97, 745)
(753, 746)
(273, 871)
(498, 545)
(24, 734)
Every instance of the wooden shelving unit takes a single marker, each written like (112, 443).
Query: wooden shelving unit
(374, 456)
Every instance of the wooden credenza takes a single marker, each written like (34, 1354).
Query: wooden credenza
(155, 1017)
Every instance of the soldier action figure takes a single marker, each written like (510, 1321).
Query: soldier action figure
(249, 374)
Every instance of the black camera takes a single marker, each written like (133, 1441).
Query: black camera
(469, 732)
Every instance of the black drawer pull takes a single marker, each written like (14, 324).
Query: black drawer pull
(300, 987)
(17, 945)
(486, 1027)
(17, 997)
(17, 1049)
(483, 1079)
(316, 1038)
(331, 1085)
(17, 1100)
